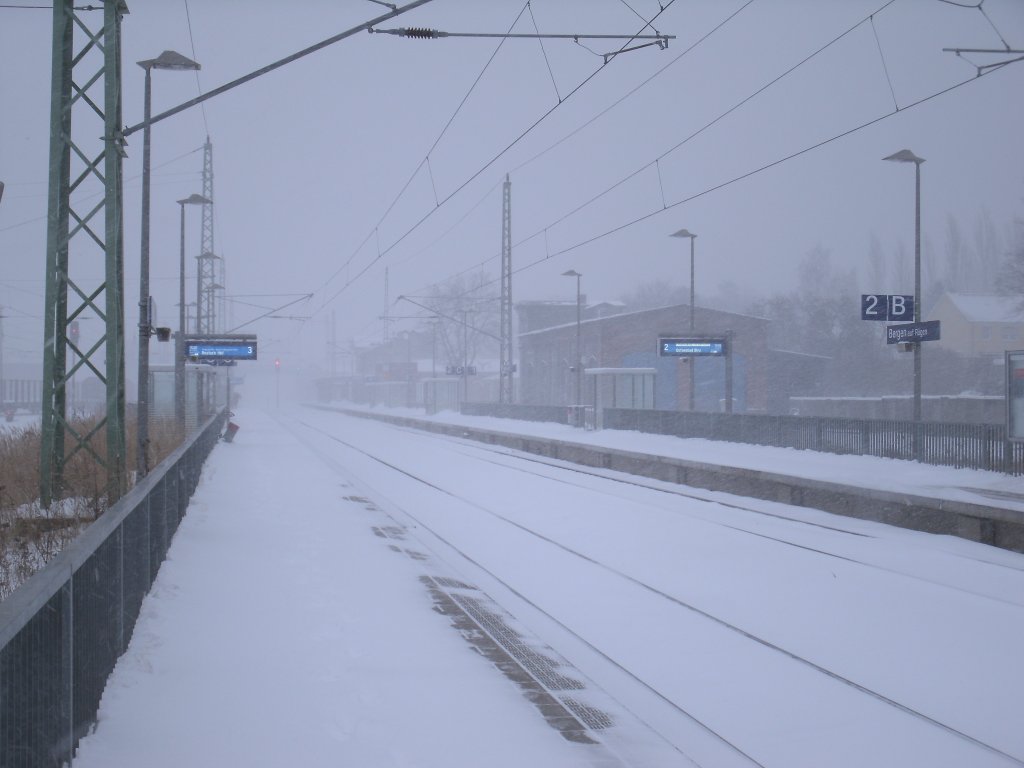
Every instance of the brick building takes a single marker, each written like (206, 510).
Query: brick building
(629, 339)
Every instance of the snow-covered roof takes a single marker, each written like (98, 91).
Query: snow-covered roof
(989, 308)
(621, 315)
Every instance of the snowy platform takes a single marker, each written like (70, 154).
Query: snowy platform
(348, 592)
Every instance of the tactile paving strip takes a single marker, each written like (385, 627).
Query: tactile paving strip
(537, 664)
(592, 717)
(554, 712)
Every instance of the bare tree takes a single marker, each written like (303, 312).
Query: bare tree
(1010, 281)
(466, 307)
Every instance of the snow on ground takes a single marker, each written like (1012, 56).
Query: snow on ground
(283, 629)
(20, 420)
(860, 471)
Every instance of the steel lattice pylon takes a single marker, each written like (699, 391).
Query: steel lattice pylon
(85, 104)
(206, 273)
(505, 394)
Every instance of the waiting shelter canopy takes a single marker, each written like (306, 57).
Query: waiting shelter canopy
(620, 388)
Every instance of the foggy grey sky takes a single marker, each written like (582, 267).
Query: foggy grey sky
(308, 158)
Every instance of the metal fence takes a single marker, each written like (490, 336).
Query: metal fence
(974, 446)
(63, 630)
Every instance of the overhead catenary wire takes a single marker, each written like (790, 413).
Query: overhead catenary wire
(588, 123)
(736, 179)
(411, 5)
(885, 66)
(979, 6)
(695, 134)
(634, 10)
(636, 88)
(540, 41)
(426, 157)
(93, 195)
(199, 87)
(786, 73)
(423, 33)
(651, 214)
(596, 117)
(303, 297)
(455, 225)
(1005, 50)
(473, 177)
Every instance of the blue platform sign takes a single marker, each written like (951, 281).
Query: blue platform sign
(894, 307)
(691, 347)
(221, 349)
(929, 330)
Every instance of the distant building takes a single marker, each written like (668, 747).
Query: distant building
(612, 337)
(979, 325)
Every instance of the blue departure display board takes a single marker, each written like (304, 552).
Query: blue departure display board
(691, 347)
(242, 348)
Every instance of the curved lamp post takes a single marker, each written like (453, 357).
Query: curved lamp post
(693, 237)
(179, 345)
(173, 61)
(906, 156)
(578, 365)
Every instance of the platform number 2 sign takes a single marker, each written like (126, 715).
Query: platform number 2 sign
(884, 306)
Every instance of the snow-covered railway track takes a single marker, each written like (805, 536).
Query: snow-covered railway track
(583, 565)
(788, 521)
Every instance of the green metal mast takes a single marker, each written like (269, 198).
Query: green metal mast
(84, 237)
(207, 272)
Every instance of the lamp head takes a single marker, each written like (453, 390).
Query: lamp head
(683, 233)
(170, 60)
(904, 156)
(195, 199)
(571, 273)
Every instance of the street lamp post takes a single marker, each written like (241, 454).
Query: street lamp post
(906, 156)
(578, 365)
(172, 61)
(179, 342)
(693, 237)
(465, 355)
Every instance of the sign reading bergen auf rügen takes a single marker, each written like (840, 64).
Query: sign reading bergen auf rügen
(912, 332)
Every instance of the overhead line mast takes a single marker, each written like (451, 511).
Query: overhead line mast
(207, 273)
(82, 234)
(89, 75)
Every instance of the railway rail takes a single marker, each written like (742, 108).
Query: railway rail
(850, 542)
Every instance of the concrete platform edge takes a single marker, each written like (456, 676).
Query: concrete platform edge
(982, 523)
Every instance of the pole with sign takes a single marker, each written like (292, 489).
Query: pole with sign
(1015, 396)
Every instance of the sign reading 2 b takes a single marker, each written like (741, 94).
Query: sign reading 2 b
(884, 306)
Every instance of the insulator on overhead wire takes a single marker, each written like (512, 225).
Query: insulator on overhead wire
(420, 32)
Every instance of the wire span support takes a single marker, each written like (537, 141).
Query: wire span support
(422, 33)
